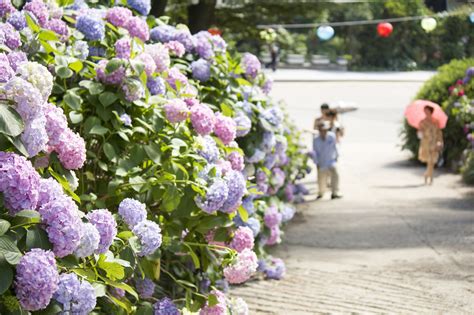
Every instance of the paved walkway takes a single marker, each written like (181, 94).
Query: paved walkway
(391, 245)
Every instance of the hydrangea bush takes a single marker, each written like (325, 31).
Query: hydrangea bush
(142, 168)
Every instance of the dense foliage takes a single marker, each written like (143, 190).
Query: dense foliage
(453, 88)
(143, 169)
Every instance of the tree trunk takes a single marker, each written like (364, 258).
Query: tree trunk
(158, 7)
(201, 15)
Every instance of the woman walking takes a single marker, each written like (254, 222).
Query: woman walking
(431, 142)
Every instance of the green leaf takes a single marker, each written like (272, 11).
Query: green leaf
(52, 309)
(120, 285)
(125, 235)
(9, 250)
(10, 121)
(4, 226)
(48, 35)
(194, 257)
(113, 65)
(86, 273)
(31, 23)
(73, 100)
(94, 88)
(145, 309)
(137, 183)
(243, 214)
(100, 289)
(65, 184)
(75, 117)
(76, 66)
(153, 151)
(123, 303)
(25, 217)
(114, 270)
(227, 110)
(212, 300)
(64, 72)
(107, 98)
(37, 238)
(171, 198)
(6, 277)
(110, 152)
(98, 130)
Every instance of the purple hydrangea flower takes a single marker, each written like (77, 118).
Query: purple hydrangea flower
(236, 161)
(239, 307)
(6, 7)
(203, 46)
(133, 90)
(16, 58)
(201, 70)
(254, 225)
(470, 72)
(262, 181)
(219, 43)
(176, 110)
(6, 71)
(80, 50)
(225, 128)
(174, 75)
(165, 306)
(117, 292)
(149, 234)
(122, 48)
(207, 148)
(12, 37)
(244, 266)
(243, 239)
(56, 124)
(141, 6)
(148, 62)
(118, 16)
(59, 27)
(78, 5)
(215, 197)
(274, 236)
(160, 55)
(96, 51)
(202, 119)
(248, 205)
(126, 119)
(237, 188)
(91, 26)
(138, 27)
(156, 86)
(244, 124)
(103, 220)
(275, 269)
(132, 211)
(71, 150)
(272, 217)
(75, 296)
(19, 182)
(267, 85)
(251, 65)
(176, 48)
(273, 115)
(49, 190)
(39, 76)
(184, 37)
(287, 213)
(36, 279)
(145, 287)
(268, 142)
(38, 9)
(162, 33)
(17, 20)
(89, 242)
(114, 78)
(219, 309)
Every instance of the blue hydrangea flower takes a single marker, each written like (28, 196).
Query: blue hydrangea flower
(96, 51)
(165, 306)
(203, 45)
(254, 224)
(201, 70)
(215, 197)
(17, 20)
(248, 205)
(145, 287)
(141, 6)
(244, 124)
(149, 234)
(156, 86)
(132, 211)
(162, 33)
(75, 296)
(126, 119)
(287, 213)
(91, 26)
(89, 241)
(237, 187)
(103, 220)
(207, 148)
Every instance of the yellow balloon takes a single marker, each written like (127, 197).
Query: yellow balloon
(428, 24)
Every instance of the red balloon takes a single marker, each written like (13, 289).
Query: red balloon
(384, 29)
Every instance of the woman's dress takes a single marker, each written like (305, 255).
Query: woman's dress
(430, 140)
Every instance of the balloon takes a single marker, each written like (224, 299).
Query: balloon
(384, 29)
(428, 24)
(471, 17)
(325, 32)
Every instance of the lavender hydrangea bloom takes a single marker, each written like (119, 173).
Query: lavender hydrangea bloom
(225, 128)
(91, 26)
(248, 205)
(203, 46)
(174, 76)
(148, 62)
(75, 296)
(207, 148)
(19, 182)
(237, 188)
(275, 269)
(219, 43)
(202, 119)
(6, 71)
(184, 37)
(6, 7)
(12, 37)
(156, 86)
(141, 6)
(160, 55)
(80, 50)
(219, 309)
(149, 234)
(242, 268)
(215, 197)
(16, 58)
(38, 9)
(36, 279)
(103, 220)
(145, 287)
(71, 150)
(176, 48)
(251, 65)
(49, 189)
(63, 224)
(236, 161)
(239, 307)
(78, 5)
(162, 33)
(133, 90)
(59, 27)
(39, 76)
(35, 137)
(122, 48)
(244, 124)
(115, 77)
(118, 16)
(201, 70)
(165, 306)
(138, 27)
(117, 292)
(132, 211)
(272, 217)
(268, 141)
(254, 225)
(267, 86)
(126, 119)
(243, 238)
(287, 213)
(17, 20)
(89, 242)
(176, 110)
(273, 115)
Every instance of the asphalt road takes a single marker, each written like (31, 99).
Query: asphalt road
(391, 245)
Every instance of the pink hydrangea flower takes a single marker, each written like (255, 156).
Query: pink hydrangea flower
(176, 111)
(236, 160)
(243, 239)
(244, 266)
(202, 119)
(225, 128)
(137, 27)
(118, 16)
(176, 48)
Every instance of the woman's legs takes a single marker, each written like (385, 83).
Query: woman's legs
(429, 171)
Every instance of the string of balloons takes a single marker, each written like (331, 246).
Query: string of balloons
(325, 31)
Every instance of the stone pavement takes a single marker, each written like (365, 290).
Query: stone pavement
(391, 245)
